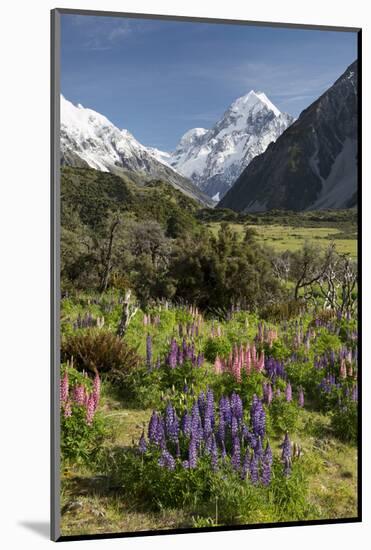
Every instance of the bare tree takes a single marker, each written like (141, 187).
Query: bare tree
(127, 313)
(338, 284)
(309, 266)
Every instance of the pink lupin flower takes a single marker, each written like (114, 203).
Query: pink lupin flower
(343, 369)
(67, 409)
(90, 409)
(218, 365)
(350, 370)
(219, 331)
(64, 387)
(145, 320)
(79, 394)
(260, 362)
(248, 360)
(236, 369)
(253, 355)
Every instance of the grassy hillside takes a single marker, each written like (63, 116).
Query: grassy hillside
(95, 194)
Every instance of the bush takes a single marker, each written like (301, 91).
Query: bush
(283, 416)
(100, 351)
(82, 443)
(344, 421)
(216, 346)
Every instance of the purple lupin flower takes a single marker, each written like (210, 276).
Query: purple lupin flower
(236, 454)
(173, 354)
(268, 456)
(171, 423)
(225, 410)
(149, 350)
(236, 406)
(166, 460)
(186, 424)
(234, 427)
(192, 453)
(196, 424)
(160, 438)
(301, 398)
(258, 449)
(288, 392)
(152, 427)
(257, 415)
(266, 473)
(254, 469)
(208, 443)
(286, 447)
(221, 430)
(142, 444)
(214, 454)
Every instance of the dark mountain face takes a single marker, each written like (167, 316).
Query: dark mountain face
(313, 164)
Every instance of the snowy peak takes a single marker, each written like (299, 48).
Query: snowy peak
(253, 101)
(213, 159)
(89, 139)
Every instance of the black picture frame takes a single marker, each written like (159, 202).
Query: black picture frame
(55, 272)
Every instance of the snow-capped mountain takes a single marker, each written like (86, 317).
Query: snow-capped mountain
(313, 165)
(213, 159)
(88, 138)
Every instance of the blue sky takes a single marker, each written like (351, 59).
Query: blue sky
(160, 78)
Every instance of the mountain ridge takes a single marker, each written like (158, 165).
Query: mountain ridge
(88, 138)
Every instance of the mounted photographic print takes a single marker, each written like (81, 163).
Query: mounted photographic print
(205, 215)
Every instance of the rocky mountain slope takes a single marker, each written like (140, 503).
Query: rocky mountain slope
(313, 164)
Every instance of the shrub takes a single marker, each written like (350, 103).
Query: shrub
(283, 416)
(344, 421)
(216, 346)
(100, 351)
(82, 443)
